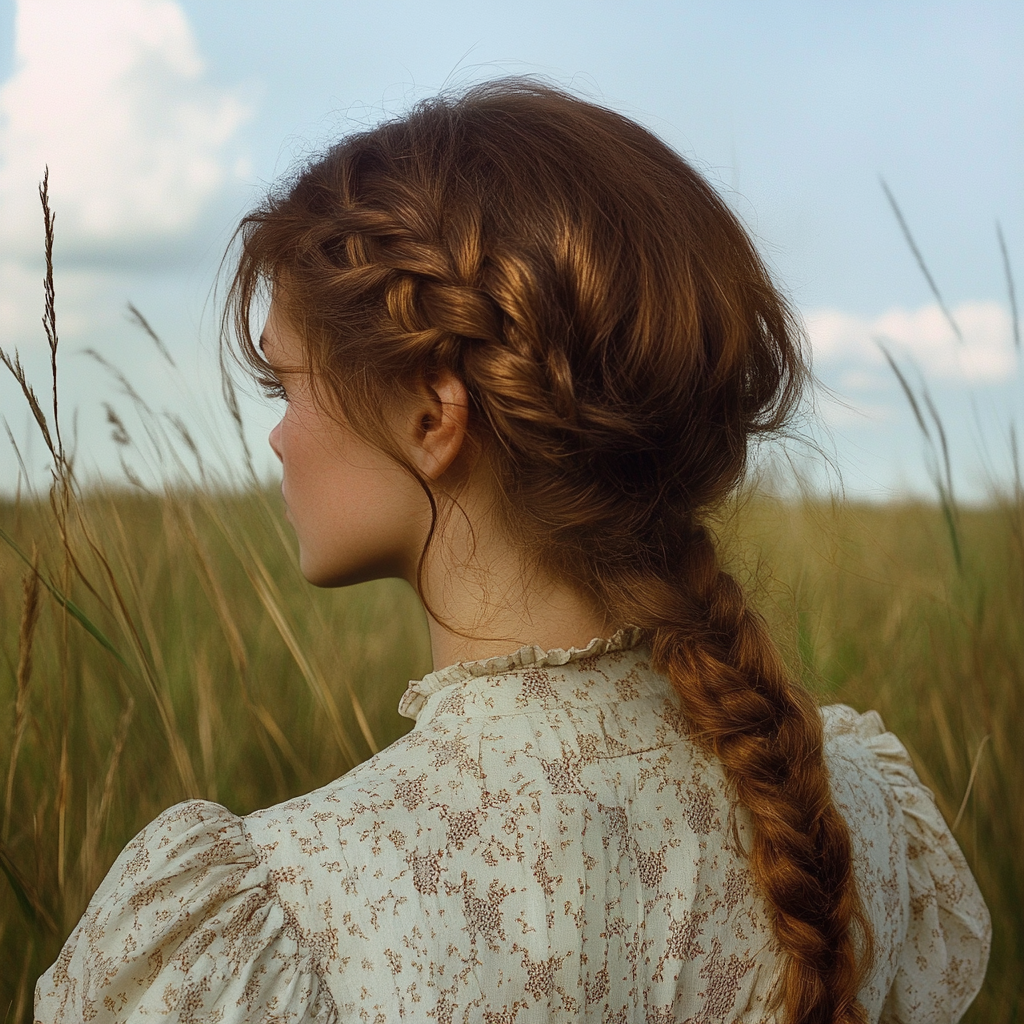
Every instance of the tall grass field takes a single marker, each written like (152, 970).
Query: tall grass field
(166, 647)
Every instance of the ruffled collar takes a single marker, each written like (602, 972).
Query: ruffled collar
(530, 656)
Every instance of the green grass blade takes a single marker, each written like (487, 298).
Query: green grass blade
(1010, 289)
(65, 602)
(922, 266)
(907, 390)
(27, 897)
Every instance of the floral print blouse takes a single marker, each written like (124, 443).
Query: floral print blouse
(547, 844)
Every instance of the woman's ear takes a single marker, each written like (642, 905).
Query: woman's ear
(439, 424)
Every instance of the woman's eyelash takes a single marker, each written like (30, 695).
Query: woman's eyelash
(271, 388)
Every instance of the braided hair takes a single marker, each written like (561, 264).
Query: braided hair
(621, 343)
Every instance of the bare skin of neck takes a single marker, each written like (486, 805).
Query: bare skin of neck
(489, 598)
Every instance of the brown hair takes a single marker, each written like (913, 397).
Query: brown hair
(621, 343)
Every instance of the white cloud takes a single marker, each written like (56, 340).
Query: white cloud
(111, 95)
(986, 354)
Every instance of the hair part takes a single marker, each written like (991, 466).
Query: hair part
(622, 344)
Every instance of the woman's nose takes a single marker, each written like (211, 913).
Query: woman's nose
(275, 441)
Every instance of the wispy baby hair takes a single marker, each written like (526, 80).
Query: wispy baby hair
(621, 343)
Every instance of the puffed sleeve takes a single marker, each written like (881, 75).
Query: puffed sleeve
(947, 932)
(185, 927)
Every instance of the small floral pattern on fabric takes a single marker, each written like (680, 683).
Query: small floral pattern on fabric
(547, 844)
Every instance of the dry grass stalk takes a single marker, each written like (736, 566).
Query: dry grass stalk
(97, 817)
(207, 719)
(272, 601)
(145, 649)
(26, 636)
(275, 732)
(50, 310)
(264, 587)
(18, 372)
(970, 782)
(214, 590)
(140, 321)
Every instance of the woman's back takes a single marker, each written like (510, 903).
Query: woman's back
(548, 843)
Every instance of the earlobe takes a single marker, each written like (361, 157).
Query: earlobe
(441, 427)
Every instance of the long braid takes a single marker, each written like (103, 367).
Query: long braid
(767, 733)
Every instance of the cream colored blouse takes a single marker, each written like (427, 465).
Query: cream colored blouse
(547, 844)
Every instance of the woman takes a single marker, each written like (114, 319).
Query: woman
(525, 348)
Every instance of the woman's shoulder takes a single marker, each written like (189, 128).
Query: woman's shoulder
(203, 914)
(186, 925)
(932, 928)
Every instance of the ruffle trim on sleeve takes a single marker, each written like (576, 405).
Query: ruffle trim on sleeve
(942, 963)
(186, 926)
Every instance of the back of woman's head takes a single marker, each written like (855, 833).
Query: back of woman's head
(621, 344)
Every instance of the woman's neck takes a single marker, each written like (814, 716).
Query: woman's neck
(489, 601)
(470, 632)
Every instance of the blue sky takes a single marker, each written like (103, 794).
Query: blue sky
(162, 120)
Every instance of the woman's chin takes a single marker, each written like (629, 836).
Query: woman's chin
(317, 573)
(322, 573)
